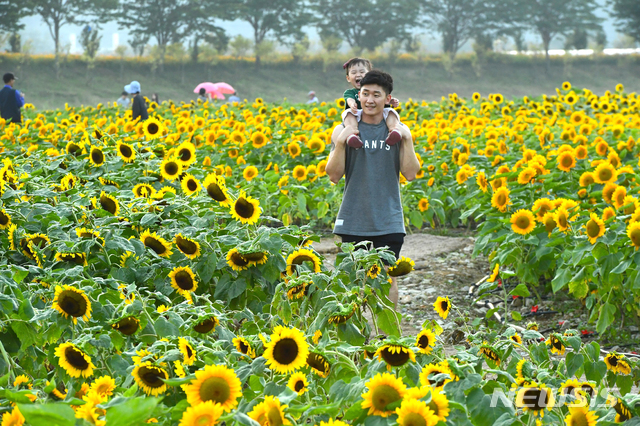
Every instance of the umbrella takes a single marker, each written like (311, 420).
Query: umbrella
(225, 88)
(210, 88)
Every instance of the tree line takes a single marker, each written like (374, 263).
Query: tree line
(362, 25)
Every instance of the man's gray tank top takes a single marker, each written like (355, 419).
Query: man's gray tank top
(371, 200)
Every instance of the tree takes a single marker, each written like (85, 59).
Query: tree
(58, 13)
(11, 12)
(138, 44)
(627, 16)
(367, 24)
(90, 42)
(178, 52)
(280, 19)
(240, 46)
(201, 25)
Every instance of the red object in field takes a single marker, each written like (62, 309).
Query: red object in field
(225, 88)
(586, 332)
(561, 323)
(534, 309)
(210, 88)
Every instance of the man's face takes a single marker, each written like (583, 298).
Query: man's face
(373, 99)
(356, 73)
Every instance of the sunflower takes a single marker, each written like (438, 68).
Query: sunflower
(382, 390)
(623, 411)
(287, 350)
(74, 361)
(536, 398)
(373, 271)
(246, 209)
(256, 257)
(633, 232)
(109, 203)
(89, 234)
(341, 313)
(403, 266)
(605, 173)
(156, 243)
(298, 383)
(243, 346)
(205, 414)
(127, 325)
(579, 415)
(618, 196)
(556, 343)
(607, 192)
(494, 273)
(5, 219)
(516, 339)
(426, 341)
(126, 152)
(300, 256)
(217, 189)
(237, 261)
(170, 169)
(186, 153)
(395, 355)
(414, 412)
(103, 386)
(611, 360)
(106, 182)
(249, 173)
(294, 149)
(525, 176)
(152, 128)
(297, 289)
(150, 378)
(206, 325)
(187, 351)
(72, 302)
(523, 222)
(318, 364)
(258, 139)
(442, 306)
(441, 368)
(561, 218)
(569, 387)
(78, 258)
(13, 418)
(587, 178)
(32, 241)
(595, 228)
(270, 412)
(74, 148)
(143, 190)
(215, 383)
(500, 199)
(190, 185)
(299, 172)
(96, 156)
(187, 246)
(183, 280)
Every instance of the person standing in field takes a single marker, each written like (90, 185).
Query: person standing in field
(123, 100)
(139, 108)
(11, 100)
(371, 209)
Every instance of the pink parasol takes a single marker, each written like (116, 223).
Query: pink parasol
(211, 89)
(225, 88)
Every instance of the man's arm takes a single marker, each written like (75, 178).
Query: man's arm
(409, 165)
(337, 157)
(19, 99)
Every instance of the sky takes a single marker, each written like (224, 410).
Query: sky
(41, 41)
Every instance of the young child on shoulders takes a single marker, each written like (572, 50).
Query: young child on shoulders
(356, 68)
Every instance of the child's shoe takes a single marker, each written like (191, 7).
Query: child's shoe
(393, 138)
(354, 141)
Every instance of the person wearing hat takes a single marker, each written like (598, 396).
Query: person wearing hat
(11, 100)
(139, 108)
(313, 99)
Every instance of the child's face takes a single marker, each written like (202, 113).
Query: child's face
(355, 75)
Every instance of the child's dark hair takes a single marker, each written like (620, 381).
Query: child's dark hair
(380, 78)
(357, 61)
(202, 91)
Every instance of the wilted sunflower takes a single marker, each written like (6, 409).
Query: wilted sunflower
(556, 343)
(442, 306)
(382, 390)
(216, 383)
(430, 372)
(298, 257)
(246, 209)
(74, 361)
(187, 351)
(403, 266)
(342, 314)
(72, 302)
(87, 233)
(171, 169)
(373, 271)
(536, 398)
(318, 364)
(143, 190)
(297, 289)
(523, 222)
(74, 148)
(216, 189)
(415, 412)
(32, 241)
(490, 354)
(270, 412)
(96, 156)
(190, 185)
(287, 350)
(187, 246)
(126, 152)
(5, 219)
(395, 355)
(108, 203)
(186, 153)
(206, 324)
(256, 257)
(243, 346)
(623, 411)
(106, 182)
(156, 243)
(127, 325)
(152, 128)
(78, 258)
(425, 341)
(298, 383)
(150, 378)
(183, 280)
(205, 414)
(236, 261)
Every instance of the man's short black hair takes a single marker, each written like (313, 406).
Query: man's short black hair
(380, 78)
(124, 94)
(8, 77)
(202, 91)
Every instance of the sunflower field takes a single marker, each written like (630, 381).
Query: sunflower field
(163, 271)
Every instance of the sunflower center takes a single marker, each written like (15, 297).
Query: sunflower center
(566, 161)
(593, 229)
(569, 390)
(274, 417)
(239, 260)
(285, 351)
(184, 280)
(72, 303)
(189, 351)
(244, 208)
(108, 204)
(152, 377)
(255, 256)
(400, 357)
(523, 222)
(535, 399)
(171, 168)
(384, 395)
(205, 326)
(156, 246)
(588, 390)
(215, 389)
(73, 149)
(562, 220)
(635, 237)
(76, 358)
(125, 151)
(216, 192)
(578, 418)
(185, 154)
(127, 326)
(434, 406)
(97, 156)
(501, 199)
(204, 420)
(444, 305)
(317, 362)
(299, 385)
(186, 246)
(414, 419)
(192, 185)
(605, 174)
(423, 342)
(4, 219)
(613, 361)
(153, 128)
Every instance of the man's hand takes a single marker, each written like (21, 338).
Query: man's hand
(345, 133)
(394, 102)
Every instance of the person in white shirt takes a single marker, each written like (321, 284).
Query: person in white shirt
(124, 100)
(313, 99)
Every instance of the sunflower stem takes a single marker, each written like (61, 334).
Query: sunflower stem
(106, 255)
(8, 361)
(346, 359)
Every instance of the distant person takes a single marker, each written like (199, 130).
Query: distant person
(11, 100)
(203, 96)
(124, 100)
(313, 99)
(139, 108)
(234, 98)
(154, 98)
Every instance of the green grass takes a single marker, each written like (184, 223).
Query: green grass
(274, 81)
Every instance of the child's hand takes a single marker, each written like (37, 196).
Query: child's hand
(354, 109)
(394, 102)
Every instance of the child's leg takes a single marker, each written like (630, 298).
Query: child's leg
(351, 121)
(394, 134)
(353, 141)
